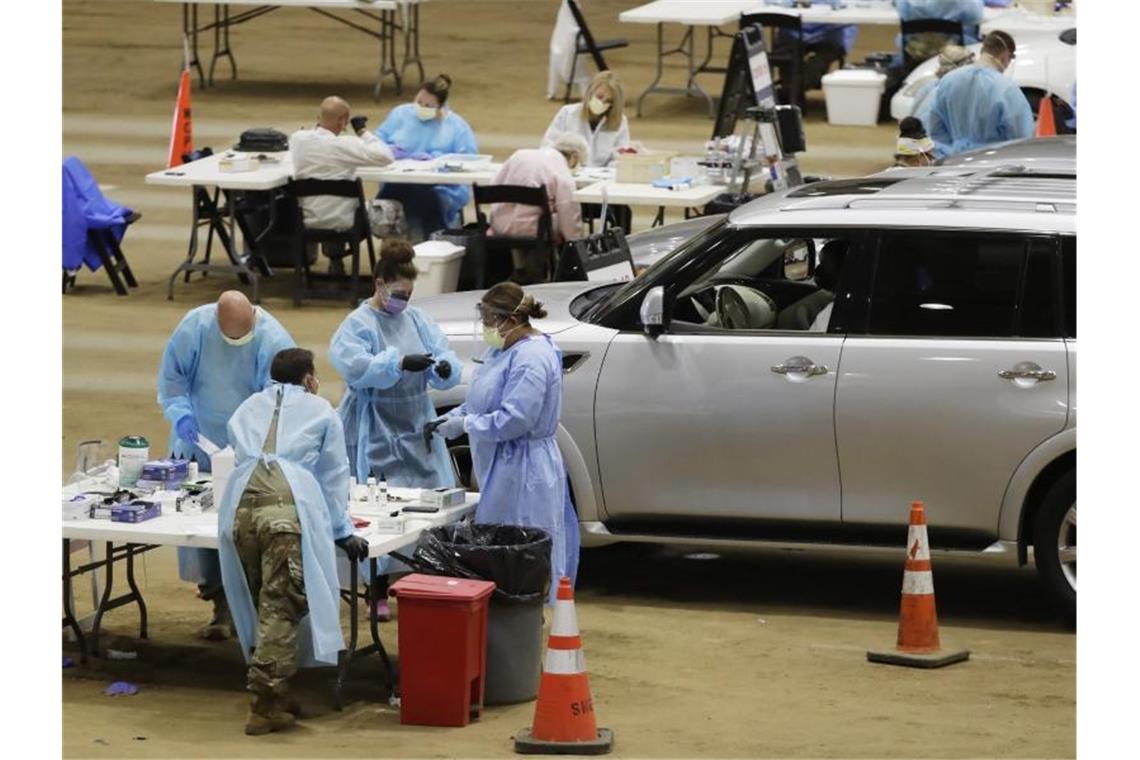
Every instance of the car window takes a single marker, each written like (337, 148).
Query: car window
(934, 284)
(1040, 299)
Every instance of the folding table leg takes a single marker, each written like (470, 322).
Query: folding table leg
(135, 591)
(104, 600)
(190, 39)
(374, 629)
(344, 657)
(69, 619)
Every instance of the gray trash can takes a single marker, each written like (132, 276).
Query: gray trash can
(517, 559)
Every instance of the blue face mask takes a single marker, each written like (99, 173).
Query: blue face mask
(395, 304)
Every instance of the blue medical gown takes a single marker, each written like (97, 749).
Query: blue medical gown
(451, 134)
(203, 375)
(976, 106)
(511, 414)
(384, 408)
(310, 451)
(84, 209)
(968, 12)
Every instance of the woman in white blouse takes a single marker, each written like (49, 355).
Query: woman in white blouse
(599, 119)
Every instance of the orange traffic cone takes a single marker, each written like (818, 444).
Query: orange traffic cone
(564, 722)
(181, 141)
(918, 644)
(1046, 125)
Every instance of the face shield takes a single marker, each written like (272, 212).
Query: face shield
(485, 327)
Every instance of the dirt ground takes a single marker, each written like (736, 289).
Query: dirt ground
(744, 655)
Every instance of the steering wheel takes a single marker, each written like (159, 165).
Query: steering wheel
(744, 308)
(731, 310)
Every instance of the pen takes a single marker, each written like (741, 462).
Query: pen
(174, 174)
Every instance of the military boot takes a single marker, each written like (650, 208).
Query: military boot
(265, 716)
(221, 626)
(288, 704)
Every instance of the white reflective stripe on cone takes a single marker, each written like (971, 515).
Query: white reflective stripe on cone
(565, 621)
(564, 662)
(917, 533)
(918, 582)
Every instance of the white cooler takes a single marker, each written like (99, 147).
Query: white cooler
(853, 96)
(438, 262)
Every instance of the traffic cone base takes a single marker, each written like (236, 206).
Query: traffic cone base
(526, 744)
(932, 660)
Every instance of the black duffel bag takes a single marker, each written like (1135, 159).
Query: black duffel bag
(262, 140)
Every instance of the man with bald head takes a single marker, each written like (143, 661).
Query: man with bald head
(217, 357)
(333, 150)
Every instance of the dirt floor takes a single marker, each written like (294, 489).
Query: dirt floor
(744, 655)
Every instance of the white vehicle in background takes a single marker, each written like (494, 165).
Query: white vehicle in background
(1046, 62)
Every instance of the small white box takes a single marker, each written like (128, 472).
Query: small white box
(443, 497)
(853, 96)
(387, 525)
(240, 163)
(78, 507)
(438, 262)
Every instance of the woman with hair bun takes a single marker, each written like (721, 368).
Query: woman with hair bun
(511, 415)
(423, 129)
(388, 354)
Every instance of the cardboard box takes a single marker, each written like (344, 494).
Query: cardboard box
(643, 168)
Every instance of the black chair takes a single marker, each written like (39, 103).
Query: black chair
(310, 237)
(585, 43)
(541, 243)
(927, 26)
(111, 257)
(785, 52)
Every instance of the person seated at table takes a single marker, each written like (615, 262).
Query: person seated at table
(923, 46)
(217, 356)
(423, 129)
(284, 507)
(600, 120)
(823, 45)
(550, 168)
(327, 151)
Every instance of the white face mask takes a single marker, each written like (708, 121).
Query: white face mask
(424, 113)
(238, 341)
(597, 107)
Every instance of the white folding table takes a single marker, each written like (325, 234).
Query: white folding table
(379, 21)
(637, 194)
(125, 541)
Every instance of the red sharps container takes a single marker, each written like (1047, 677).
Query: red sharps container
(443, 648)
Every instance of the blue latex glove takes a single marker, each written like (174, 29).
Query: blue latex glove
(398, 152)
(187, 429)
(451, 427)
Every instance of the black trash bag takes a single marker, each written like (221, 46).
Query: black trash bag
(517, 559)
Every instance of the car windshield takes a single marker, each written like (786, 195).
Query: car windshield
(617, 295)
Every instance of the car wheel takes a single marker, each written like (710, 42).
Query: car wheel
(1055, 540)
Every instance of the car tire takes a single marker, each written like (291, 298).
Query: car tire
(1055, 541)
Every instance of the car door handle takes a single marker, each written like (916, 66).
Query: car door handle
(800, 365)
(1027, 371)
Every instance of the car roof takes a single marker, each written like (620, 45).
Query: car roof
(1013, 195)
(1055, 153)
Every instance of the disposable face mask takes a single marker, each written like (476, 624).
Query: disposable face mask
(238, 341)
(597, 107)
(493, 338)
(423, 113)
(395, 304)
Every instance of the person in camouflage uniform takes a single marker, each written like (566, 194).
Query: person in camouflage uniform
(266, 531)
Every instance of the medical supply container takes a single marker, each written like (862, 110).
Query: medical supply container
(853, 96)
(134, 451)
(438, 263)
(443, 648)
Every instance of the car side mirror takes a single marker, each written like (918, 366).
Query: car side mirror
(653, 311)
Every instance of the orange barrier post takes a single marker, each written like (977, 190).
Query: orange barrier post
(564, 722)
(181, 141)
(918, 643)
(1046, 124)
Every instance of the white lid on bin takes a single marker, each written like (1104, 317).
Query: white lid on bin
(855, 78)
(440, 250)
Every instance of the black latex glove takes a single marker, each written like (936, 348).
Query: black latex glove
(358, 123)
(416, 362)
(443, 369)
(354, 546)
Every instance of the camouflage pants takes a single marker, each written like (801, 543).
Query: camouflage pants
(268, 542)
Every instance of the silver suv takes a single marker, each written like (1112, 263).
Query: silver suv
(798, 372)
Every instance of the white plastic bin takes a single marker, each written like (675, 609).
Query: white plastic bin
(853, 96)
(438, 262)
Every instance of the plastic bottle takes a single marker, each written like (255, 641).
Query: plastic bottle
(372, 492)
(192, 471)
(382, 498)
